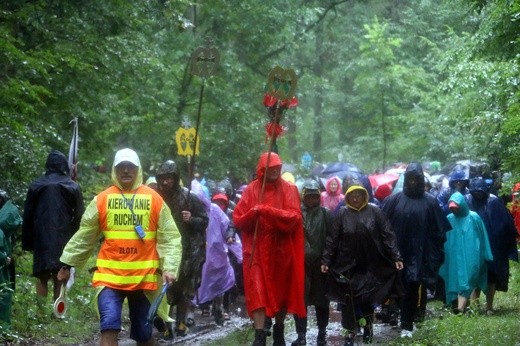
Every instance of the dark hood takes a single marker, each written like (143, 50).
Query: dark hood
(414, 169)
(57, 163)
(479, 185)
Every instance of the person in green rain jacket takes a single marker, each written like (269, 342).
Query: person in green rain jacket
(10, 221)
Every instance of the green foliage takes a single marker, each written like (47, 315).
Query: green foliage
(32, 321)
(379, 82)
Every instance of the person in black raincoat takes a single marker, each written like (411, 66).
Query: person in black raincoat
(501, 232)
(363, 260)
(51, 215)
(192, 220)
(420, 228)
(317, 223)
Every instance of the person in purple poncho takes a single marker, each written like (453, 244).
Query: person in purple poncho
(217, 273)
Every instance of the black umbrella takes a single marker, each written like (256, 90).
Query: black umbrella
(341, 170)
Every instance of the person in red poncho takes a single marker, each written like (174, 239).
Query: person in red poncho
(270, 221)
(515, 208)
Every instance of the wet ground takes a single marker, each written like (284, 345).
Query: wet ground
(206, 330)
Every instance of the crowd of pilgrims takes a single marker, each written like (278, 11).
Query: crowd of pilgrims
(374, 252)
(367, 251)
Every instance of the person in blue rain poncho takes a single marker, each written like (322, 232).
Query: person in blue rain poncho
(501, 232)
(467, 252)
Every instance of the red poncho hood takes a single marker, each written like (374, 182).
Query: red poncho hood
(269, 160)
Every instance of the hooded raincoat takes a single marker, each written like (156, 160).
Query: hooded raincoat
(420, 228)
(467, 252)
(317, 223)
(52, 213)
(10, 221)
(273, 243)
(193, 233)
(515, 209)
(218, 275)
(331, 199)
(166, 238)
(361, 252)
(500, 229)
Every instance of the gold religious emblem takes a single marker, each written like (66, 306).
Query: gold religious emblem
(281, 83)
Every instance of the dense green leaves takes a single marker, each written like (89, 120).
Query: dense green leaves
(379, 82)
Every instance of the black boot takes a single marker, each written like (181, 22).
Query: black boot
(219, 317)
(278, 337)
(301, 330)
(267, 326)
(322, 335)
(368, 332)
(301, 340)
(259, 337)
(349, 339)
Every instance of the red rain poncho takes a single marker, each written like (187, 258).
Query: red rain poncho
(515, 209)
(274, 277)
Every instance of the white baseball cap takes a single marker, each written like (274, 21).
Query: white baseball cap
(127, 155)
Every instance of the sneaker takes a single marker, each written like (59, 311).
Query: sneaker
(190, 319)
(167, 335)
(168, 332)
(181, 330)
(457, 312)
(406, 333)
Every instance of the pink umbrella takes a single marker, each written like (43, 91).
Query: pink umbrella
(384, 178)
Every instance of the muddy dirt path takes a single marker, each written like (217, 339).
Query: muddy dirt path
(206, 330)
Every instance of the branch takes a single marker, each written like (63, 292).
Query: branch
(305, 30)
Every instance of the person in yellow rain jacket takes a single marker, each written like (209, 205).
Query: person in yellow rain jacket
(140, 241)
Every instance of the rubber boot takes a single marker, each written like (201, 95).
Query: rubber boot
(322, 337)
(301, 340)
(259, 337)
(368, 332)
(349, 339)
(267, 326)
(301, 330)
(219, 318)
(278, 336)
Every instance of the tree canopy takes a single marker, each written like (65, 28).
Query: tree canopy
(379, 82)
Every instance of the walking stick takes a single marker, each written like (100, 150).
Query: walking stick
(281, 85)
(264, 179)
(204, 62)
